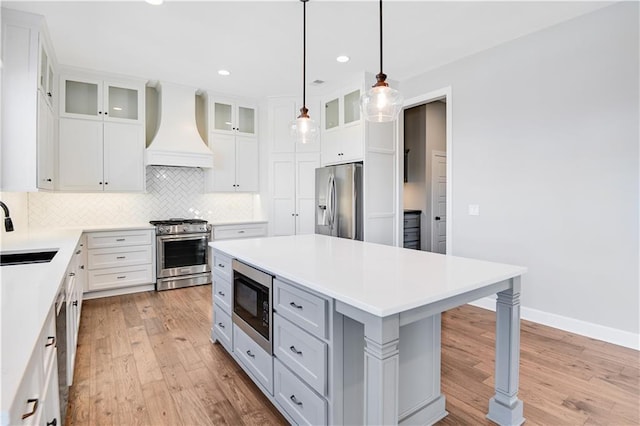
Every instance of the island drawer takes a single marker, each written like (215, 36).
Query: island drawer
(300, 307)
(298, 400)
(255, 359)
(119, 238)
(222, 264)
(301, 352)
(222, 327)
(222, 292)
(102, 279)
(119, 256)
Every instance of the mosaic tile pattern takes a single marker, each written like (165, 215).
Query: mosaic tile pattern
(171, 192)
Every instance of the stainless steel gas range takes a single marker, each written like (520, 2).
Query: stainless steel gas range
(182, 253)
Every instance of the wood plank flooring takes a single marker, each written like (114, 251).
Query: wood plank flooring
(146, 359)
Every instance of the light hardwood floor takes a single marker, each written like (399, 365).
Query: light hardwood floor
(146, 359)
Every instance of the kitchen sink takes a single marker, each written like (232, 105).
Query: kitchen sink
(26, 257)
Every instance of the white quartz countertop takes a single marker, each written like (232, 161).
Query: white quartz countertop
(27, 293)
(378, 279)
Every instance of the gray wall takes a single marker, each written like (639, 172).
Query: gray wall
(545, 140)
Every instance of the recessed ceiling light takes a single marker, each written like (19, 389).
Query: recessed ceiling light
(223, 72)
(154, 2)
(342, 58)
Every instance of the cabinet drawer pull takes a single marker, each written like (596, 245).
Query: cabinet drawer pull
(221, 325)
(121, 257)
(221, 293)
(75, 303)
(250, 354)
(295, 306)
(120, 239)
(294, 350)
(240, 232)
(220, 265)
(295, 400)
(121, 277)
(72, 274)
(78, 251)
(53, 422)
(33, 401)
(51, 340)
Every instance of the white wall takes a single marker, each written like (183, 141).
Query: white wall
(545, 140)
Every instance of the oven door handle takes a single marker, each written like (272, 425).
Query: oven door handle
(162, 238)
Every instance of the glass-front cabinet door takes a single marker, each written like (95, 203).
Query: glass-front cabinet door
(102, 100)
(81, 98)
(331, 114)
(233, 117)
(351, 108)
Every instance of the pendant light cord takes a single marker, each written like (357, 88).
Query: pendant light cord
(304, 53)
(380, 36)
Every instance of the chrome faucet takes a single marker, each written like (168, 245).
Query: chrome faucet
(8, 224)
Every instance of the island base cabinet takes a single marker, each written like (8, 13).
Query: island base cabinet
(253, 358)
(222, 328)
(297, 399)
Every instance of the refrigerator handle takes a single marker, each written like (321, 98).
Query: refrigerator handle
(331, 200)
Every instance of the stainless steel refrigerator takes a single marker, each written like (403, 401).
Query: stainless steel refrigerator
(339, 201)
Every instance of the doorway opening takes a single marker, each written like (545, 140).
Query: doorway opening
(425, 136)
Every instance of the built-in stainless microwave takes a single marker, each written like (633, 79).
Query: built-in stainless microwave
(252, 302)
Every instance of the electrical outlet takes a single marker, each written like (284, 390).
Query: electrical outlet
(474, 210)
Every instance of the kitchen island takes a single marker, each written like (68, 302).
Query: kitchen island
(382, 341)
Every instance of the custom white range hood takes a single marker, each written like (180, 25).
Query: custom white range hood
(178, 142)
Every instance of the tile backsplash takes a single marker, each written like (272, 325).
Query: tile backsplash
(171, 192)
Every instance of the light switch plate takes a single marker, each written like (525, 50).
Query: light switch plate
(474, 210)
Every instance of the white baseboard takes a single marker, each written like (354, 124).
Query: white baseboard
(583, 328)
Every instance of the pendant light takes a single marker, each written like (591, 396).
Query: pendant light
(381, 103)
(303, 128)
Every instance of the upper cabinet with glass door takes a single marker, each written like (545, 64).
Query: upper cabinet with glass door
(229, 116)
(96, 99)
(46, 74)
(341, 109)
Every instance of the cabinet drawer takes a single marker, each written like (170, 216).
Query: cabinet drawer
(258, 362)
(300, 402)
(222, 327)
(119, 238)
(302, 308)
(222, 264)
(226, 232)
(102, 279)
(411, 234)
(222, 292)
(117, 256)
(411, 221)
(301, 352)
(412, 245)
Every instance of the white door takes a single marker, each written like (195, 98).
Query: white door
(123, 157)
(224, 162)
(283, 194)
(439, 202)
(80, 155)
(306, 165)
(247, 164)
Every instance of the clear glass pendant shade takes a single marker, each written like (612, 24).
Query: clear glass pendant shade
(381, 104)
(304, 130)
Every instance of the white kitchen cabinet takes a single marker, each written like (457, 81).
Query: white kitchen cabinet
(46, 143)
(291, 173)
(95, 98)
(235, 164)
(233, 117)
(28, 110)
(341, 128)
(97, 156)
(120, 259)
(234, 231)
(233, 139)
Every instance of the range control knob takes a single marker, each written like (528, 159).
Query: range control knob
(185, 229)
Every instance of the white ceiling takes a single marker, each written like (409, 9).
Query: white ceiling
(260, 42)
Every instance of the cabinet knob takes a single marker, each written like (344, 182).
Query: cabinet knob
(106, 113)
(100, 112)
(75, 303)
(49, 94)
(48, 180)
(99, 183)
(437, 218)
(106, 183)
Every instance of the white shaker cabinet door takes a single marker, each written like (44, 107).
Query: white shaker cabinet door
(223, 176)
(80, 155)
(247, 164)
(123, 157)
